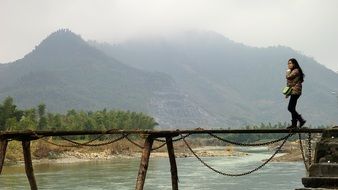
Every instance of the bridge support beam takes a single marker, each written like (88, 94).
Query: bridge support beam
(3, 147)
(173, 167)
(28, 164)
(144, 162)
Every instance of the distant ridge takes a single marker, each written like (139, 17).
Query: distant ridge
(64, 72)
(235, 83)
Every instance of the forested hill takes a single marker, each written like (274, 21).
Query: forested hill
(64, 72)
(235, 83)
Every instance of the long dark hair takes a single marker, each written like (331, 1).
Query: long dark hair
(296, 66)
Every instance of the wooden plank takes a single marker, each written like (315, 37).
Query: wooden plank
(33, 134)
(141, 177)
(3, 147)
(28, 164)
(173, 166)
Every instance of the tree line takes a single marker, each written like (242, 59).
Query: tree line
(12, 118)
(256, 137)
(259, 137)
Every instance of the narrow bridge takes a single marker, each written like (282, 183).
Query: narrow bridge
(167, 137)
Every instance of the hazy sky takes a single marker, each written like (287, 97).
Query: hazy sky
(308, 26)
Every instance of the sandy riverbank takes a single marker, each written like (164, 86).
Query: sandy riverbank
(76, 156)
(292, 152)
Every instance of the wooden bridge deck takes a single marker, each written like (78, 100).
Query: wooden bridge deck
(160, 133)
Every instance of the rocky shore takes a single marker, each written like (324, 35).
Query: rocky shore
(292, 152)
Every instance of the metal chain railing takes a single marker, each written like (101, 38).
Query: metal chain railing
(77, 144)
(240, 174)
(160, 146)
(141, 147)
(134, 143)
(174, 140)
(41, 137)
(249, 144)
(59, 145)
(308, 161)
(182, 137)
(97, 144)
(309, 149)
(90, 141)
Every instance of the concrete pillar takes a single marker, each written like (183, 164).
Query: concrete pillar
(323, 173)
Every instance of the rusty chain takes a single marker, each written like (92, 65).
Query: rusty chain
(141, 147)
(77, 144)
(174, 140)
(309, 156)
(97, 144)
(249, 144)
(309, 149)
(240, 174)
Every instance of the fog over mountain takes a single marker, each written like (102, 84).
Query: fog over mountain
(195, 79)
(235, 83)
(64, 72)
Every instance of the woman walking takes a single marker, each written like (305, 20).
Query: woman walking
(294, 78)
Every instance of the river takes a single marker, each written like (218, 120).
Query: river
(121, 174)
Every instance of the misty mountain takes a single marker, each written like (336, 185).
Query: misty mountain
(64, 72)
(234, 83)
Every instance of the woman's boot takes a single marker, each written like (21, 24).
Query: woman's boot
(293, 124)
(301, 121)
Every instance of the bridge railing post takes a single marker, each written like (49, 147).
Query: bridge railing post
(3, 147)
(173, 166)
(141, 177)
(28, 164)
